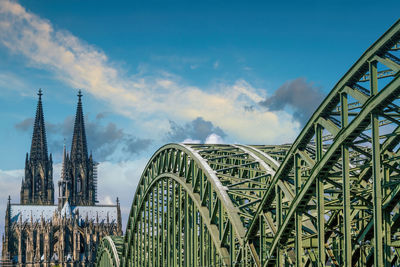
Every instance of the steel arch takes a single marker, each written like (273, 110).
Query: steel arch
(109, 251)
(335, 129)
(329, 199)
(210, 176)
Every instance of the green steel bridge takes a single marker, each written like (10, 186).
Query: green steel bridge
(329, 199)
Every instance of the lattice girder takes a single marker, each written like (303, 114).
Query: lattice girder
(330, 198)
(346, 187)
(223, 185)
(109, 251)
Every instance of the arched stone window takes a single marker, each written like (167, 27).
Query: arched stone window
(79, 185)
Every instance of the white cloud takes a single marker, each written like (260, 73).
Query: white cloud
(119, 180)
(10, 182)
(107, 200)
(214, 139)
(191, 141)
(157, 98)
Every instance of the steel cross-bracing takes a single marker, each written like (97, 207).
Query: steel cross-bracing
(329, 199)
(194, 203)
(110, 251)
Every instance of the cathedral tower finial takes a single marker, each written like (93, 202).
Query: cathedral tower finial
(39, 142)
(79, 145)
(83, 189)
(37, 187)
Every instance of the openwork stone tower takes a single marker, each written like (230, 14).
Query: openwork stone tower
(37, 187)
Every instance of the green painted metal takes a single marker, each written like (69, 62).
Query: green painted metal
(347, 240)
(299, 215)
(110, 251)
(329, 199)
(357, 136)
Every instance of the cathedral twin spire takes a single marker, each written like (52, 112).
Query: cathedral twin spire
(39, 143)
(37, 187)
(79, 145)
(77, 184)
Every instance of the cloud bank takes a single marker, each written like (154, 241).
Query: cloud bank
(301, 96)
(195, 131)
(103, 139)
(150, 97)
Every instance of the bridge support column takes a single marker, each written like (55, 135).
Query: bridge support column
(279, 217)
(180, 226)
(187, 232)
(262, 233)
(320, 200)
(173, 222)
(346, 186)
(299, 215)
(168, 222)
(153, 224)
(146, 232)
(376, 171)
(159, 231)
(387, 225)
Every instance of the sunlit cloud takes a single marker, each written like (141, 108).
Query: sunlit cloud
(214, 139)
(155, 97)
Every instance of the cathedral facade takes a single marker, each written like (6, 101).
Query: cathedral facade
(40, 233)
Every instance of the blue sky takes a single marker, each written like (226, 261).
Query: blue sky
(154, 72)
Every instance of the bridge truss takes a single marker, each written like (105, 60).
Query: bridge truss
(329, 199)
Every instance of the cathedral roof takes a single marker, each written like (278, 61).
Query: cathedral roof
(25, 212)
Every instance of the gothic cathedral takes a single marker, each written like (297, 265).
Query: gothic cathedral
(40, 233)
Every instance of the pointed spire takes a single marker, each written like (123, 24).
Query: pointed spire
(39, 143)
(119, 220)
(8, 215)
(64, 164)
(79, 145)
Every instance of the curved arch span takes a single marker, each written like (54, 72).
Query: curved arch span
(109, 251)
(355, 138)
(329, 199)
(205, 173)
